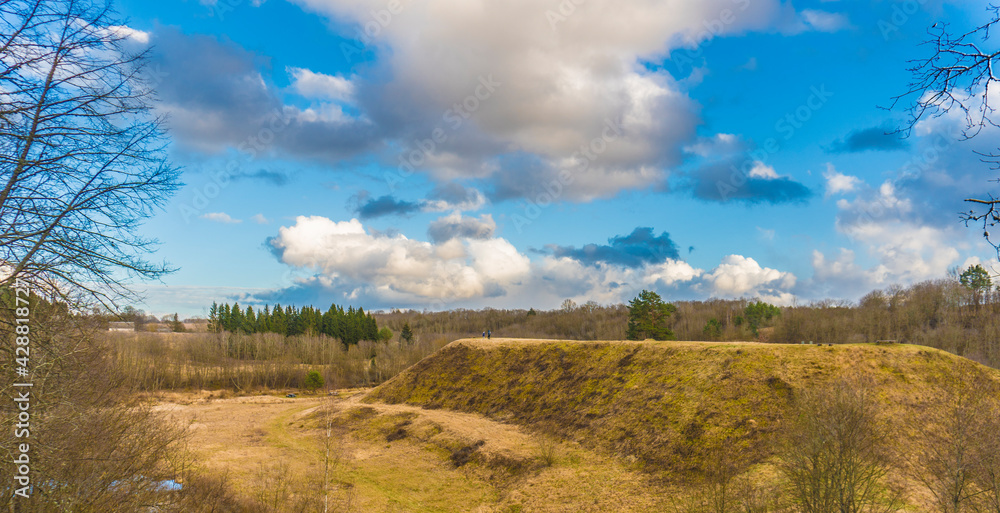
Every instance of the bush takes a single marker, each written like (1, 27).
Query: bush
(313, 381)
(713, 329)
(548, 451)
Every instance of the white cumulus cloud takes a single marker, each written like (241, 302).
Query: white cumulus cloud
(475, 268)
(347, 255)
(738, 275)
(900, 239)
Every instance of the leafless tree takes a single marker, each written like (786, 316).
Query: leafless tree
(725, 462)
(82, 156)
(986, 471)
(959, 76)
(837, 455)
(332, 440)
(82, 164)
(95, 446)
(272, 486)
(947, 466)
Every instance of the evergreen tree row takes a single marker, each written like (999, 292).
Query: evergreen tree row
(350, 326)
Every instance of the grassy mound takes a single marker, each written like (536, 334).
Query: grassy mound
(672, 406)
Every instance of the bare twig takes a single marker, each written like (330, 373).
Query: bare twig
(959, 76)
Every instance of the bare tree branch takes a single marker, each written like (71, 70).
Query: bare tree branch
(82, 156)
(959, 76)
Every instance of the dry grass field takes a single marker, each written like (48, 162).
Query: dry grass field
(272, 450)
(539, 425)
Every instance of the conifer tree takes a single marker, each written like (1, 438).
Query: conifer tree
(264, 320)
(213, 318)
(647, 317)
(176, 325)
(236, 318)
(350, 326)
(977, 280)
(279, 322)
(250, 321)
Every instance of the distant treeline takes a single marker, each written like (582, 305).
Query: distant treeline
(945, 314)
(275, 346)
(349, 326)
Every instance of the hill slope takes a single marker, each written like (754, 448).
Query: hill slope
(671, 406)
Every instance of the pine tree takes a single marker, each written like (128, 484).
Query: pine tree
(977, 280)
(213, 318)
(407, 334)
(331, 322)
(236, 321)
(371, 328)
(349, 326)
(314, 320)
(279, 322)
(648, 316)
(250, 321)
(294, 320)
(313, 381)
(367, 328)
(225, 319)
(264, 320)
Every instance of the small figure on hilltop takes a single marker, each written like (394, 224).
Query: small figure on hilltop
(484, 334)
(489, 333)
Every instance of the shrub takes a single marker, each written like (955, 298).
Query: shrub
(713, 329)
(313, 381)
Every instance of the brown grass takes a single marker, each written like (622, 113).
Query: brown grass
(546, 425)
(669, 406)
(254, 438)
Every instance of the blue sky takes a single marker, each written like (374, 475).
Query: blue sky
(465, 153)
